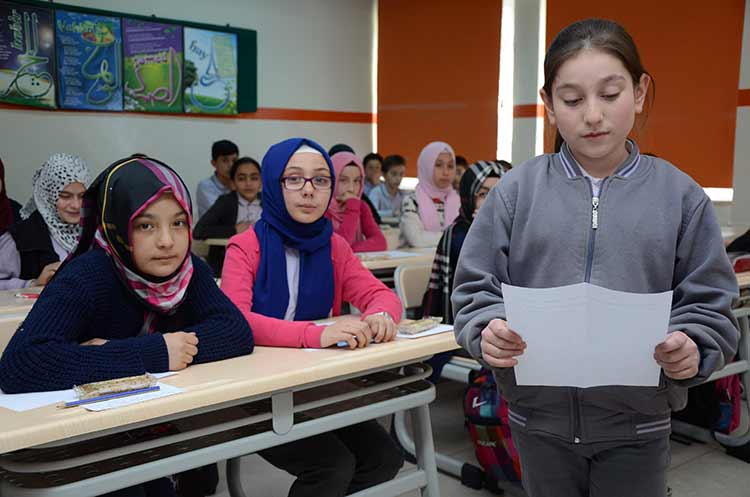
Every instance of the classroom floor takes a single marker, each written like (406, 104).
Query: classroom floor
(697, 470)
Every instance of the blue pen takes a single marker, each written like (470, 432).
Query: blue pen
(110, 396)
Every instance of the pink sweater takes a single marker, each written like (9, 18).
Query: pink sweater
(352, 283)
(357, 213)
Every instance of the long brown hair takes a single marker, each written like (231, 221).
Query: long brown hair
(601, 34)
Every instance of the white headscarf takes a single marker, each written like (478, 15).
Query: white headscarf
(59, 171)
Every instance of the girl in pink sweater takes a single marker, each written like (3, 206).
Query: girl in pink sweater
(352, 218)
(292, 269)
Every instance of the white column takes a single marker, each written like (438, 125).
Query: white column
(741, 205)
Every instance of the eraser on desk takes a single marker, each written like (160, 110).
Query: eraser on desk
(27, 295)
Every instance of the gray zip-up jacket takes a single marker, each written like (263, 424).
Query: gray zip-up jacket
(652, 229)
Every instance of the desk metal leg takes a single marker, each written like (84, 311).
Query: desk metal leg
(234, 477)
(425, 449)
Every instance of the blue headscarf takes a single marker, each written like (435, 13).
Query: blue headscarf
(275, 230)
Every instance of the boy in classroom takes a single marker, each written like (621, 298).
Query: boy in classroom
(130, 299)
(597, 211)
(387, 196)
(292, 270)
(223, 155)
(373, 163)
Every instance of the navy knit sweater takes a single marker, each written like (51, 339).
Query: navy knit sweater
(87, 300)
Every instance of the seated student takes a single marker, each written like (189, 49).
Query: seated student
(350, 216)
(461, 166)
(293, 238)
(434, 204)
(475, 184)
(31, 250)
(343, 147)
(233, 212)
(387, 197)
(10, 210)
(130, 299)
(373, 168)
(223, 155)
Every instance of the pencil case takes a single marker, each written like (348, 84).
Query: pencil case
(412, 326)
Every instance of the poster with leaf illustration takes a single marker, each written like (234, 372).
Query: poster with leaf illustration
(210, 72)
(89, 53)
(27, 55)
(153, 60)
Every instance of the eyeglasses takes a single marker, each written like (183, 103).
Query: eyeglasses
(299, 182)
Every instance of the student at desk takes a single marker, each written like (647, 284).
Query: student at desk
(294, 239)
(434, 204)
(130, 300)
(351, 217)
(475, 185)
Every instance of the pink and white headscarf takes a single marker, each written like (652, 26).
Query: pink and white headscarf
(427, 192)
(119, 195)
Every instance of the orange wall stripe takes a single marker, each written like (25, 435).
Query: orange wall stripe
(528, 110)
(263, 113)
(743, 98)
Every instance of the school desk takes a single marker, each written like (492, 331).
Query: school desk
(10, 303)
(229, 409)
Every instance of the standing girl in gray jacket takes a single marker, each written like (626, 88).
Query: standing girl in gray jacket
(597, 211)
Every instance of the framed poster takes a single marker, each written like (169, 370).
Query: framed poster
(153, 60)
(27, 55)
(89, 61)
(210, 72)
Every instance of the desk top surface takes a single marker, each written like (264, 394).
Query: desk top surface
(9, 303)
(265, 371)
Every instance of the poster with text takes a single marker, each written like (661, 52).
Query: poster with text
(210, 72)
(89, 61)
(153, 66)
(27, 55)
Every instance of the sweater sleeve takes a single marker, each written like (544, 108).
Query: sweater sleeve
(705, 288)
(237, 280)
(482, 267)
(221, 329)
(361, 288)
(10, 265)
(348, 227)
(374, 239)
(412, 227)
(44, 353)
(215, 223)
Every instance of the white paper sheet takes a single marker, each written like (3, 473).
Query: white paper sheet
(386, 254)
(584, 336)
(26, 401)
(441, 328)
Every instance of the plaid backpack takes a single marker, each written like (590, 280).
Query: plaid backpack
(486, 416)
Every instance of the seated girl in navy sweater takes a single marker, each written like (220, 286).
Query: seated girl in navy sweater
(130, 299)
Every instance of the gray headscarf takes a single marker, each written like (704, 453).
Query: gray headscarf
(59, 171)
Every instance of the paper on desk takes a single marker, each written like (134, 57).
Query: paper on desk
(584, 336)
(385, 254)
(441, 328)
(165, 390)
(20, 402)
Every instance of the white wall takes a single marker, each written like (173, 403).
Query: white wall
(741, 207)
(311, 55)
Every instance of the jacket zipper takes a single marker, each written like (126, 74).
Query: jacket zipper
(595, 199)
(594, 226)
